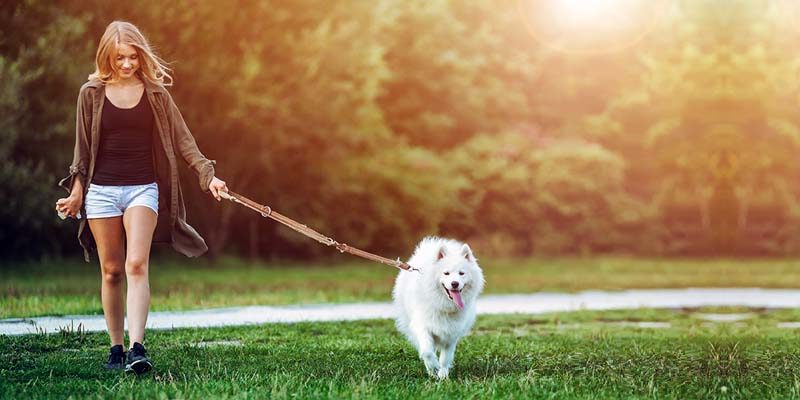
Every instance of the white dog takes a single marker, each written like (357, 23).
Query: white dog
(436, 307)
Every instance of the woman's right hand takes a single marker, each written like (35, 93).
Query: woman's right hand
(70, 206)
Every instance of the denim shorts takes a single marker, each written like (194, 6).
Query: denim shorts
(111, 201)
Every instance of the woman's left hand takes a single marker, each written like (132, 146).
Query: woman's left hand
(216, 186)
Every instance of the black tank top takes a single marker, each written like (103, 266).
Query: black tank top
(125, 156)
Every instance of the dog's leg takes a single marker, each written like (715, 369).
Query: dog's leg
(425, 347)
(446, 358)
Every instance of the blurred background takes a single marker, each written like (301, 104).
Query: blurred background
(527, 128)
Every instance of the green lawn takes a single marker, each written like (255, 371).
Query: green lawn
(564, 355)
(59, 288)
(570, 355)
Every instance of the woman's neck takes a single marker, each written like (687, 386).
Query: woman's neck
(127, 82)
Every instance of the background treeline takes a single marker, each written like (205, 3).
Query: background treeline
(379, 122)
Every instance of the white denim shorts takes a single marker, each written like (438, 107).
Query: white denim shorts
(111, 201)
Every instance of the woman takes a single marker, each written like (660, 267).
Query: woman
(124, 180)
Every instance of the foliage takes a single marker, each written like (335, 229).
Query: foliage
(37, 112)
(380, 122)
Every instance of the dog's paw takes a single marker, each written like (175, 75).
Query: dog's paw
(443, 373)
(431, 363)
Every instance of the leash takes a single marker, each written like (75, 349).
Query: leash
(268, 212)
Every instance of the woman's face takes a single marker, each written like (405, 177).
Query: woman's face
(126, 61)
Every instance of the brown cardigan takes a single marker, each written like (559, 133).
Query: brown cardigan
(171, 138)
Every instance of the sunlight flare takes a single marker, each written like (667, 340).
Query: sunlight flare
(592, 26)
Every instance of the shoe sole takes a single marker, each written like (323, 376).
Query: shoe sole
(139, 367)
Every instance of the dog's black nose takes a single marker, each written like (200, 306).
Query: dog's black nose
(454, 284)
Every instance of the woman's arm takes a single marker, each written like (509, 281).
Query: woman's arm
(187, 148)
(81, 153)
(75, 181)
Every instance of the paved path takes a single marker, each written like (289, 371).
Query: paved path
(495, 304)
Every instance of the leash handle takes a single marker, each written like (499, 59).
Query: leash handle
(268, 212)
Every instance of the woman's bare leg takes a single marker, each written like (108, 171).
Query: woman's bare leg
(140, 222)
(109, 237)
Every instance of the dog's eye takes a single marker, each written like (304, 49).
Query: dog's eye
(447, 273)
(461, 273)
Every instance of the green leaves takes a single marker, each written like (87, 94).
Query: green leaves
(442, 117)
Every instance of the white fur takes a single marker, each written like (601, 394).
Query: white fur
(425, 314)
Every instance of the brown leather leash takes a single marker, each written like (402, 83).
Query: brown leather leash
(268, 212)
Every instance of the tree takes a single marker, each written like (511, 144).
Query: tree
(36, 96)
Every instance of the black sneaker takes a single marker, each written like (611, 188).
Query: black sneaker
(137, 360)
(116, 358)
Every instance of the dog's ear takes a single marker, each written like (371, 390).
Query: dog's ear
(440, 255)
(466, 252)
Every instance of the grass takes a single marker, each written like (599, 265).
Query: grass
(73, 287)
(595, 355)
(586, 354)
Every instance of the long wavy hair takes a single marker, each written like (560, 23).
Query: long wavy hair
(151, 67)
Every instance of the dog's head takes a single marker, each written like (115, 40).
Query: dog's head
(458, 275)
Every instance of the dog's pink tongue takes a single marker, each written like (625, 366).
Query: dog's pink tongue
(457, 299)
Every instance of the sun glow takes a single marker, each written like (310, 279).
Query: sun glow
(582, 13)
(591, 26)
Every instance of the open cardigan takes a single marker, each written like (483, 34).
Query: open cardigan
(171, 139)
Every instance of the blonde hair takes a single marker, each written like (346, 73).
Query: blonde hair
(151, 66)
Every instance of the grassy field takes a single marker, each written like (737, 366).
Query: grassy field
(595, 355)
(60, 288)
(611, 354)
